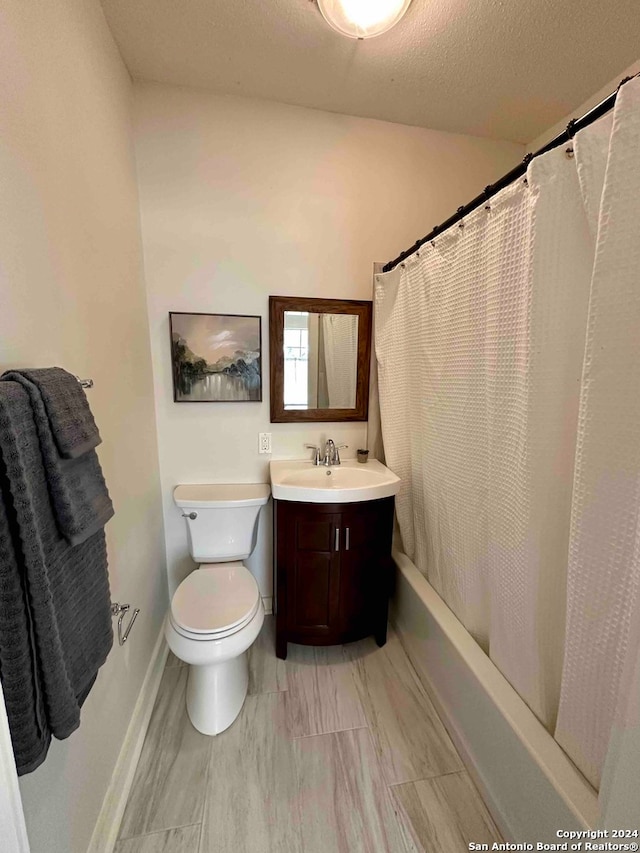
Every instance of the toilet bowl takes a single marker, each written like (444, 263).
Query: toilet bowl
(216, 612)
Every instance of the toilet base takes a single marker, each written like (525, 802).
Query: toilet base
(216, 694)
(218, 673)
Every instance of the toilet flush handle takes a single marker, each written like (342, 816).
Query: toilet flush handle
(191, 515)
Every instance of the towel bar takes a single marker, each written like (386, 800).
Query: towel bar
(119, 610)
(85, 383)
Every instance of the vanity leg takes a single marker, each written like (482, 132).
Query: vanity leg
(281, 646)
(381, 630)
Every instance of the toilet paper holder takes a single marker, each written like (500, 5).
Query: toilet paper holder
(119, 610)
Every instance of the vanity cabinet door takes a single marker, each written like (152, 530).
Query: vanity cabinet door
(313, 571)
(365, 569)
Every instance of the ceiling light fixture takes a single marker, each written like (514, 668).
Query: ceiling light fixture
(362, 19)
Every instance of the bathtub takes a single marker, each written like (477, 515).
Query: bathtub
(530, 786)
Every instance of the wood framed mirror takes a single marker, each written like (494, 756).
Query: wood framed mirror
(319, 358)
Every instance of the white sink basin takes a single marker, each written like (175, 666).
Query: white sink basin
(296, 480)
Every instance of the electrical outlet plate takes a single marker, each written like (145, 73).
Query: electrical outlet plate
(264, 442)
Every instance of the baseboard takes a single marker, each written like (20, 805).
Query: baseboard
(268, 605)
(105, 833)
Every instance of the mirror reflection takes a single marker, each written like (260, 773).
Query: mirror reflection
(320, 360)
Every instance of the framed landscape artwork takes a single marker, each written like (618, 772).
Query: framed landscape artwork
(216, 358)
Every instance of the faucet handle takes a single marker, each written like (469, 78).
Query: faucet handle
(337, 454)
(316, 455)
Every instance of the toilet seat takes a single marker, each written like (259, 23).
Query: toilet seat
(214, 635)
(215, 601)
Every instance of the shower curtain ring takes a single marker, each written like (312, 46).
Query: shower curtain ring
(526, 160)
(571, 128)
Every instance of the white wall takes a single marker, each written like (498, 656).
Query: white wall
(579, 111)
(72, 294)
(243, 198)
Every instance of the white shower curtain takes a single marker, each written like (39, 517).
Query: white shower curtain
(480, 343)
(604, 556)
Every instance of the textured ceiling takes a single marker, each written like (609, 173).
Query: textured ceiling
(496, 68)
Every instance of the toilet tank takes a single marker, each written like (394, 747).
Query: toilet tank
(224, 519)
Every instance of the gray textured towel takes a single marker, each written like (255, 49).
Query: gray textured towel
(72, 425)
(78, 491)
(55, 626)
(23, 699)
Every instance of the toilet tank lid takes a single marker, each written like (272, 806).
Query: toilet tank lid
(221, 495)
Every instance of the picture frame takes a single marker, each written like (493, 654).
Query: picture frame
(216, 358)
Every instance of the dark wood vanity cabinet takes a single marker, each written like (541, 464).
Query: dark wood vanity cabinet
(333, 571)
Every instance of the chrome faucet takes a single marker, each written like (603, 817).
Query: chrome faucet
(331, 453)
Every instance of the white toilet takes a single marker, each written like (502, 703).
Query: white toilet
(217, 612)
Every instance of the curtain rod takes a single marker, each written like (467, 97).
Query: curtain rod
(572, 128)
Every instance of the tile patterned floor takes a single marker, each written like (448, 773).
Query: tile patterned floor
(337, 750)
